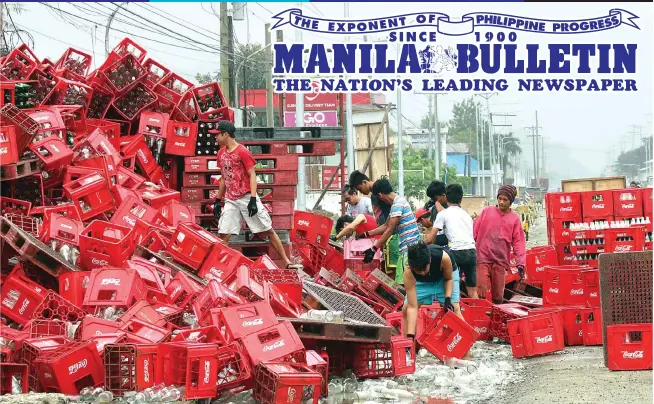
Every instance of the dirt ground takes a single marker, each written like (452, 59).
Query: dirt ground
(576, 375)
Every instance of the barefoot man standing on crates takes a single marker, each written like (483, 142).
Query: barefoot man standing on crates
(238, 185)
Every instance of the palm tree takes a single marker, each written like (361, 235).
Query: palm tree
(510, 149)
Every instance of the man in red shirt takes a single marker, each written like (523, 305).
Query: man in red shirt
(496, 231)
(238, 185)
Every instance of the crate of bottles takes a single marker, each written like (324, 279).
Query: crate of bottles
(100, 101)
(134, 102)
(122, 75)
(187, 109)
(211, 101)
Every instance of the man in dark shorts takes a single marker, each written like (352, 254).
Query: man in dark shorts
(456, 223)
(238, 185)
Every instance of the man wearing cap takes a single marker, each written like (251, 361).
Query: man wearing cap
(238, 185)
(423, 218)
(496, 231)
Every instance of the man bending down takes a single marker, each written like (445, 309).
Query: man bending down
(431, 275)
(238, 185)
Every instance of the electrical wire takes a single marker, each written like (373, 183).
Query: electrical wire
(14, 24)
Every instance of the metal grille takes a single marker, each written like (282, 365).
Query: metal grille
(353, 308)
(625, 289)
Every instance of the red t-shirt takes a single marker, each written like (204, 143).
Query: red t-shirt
(369, 225)
(234, 166)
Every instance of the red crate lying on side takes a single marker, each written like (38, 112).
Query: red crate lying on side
(385, 360)
(536, 334)
(353, 252)
(537, 259)
(311, 228)
(563, 285)
(214, 295)
(70, 368)
(629, 346)
(191, 365)
(500, 314)
(117, 287)
(592, 326)
(9, 371)
(477, 313)
(20, 297)
(291, 383)
(222, 262)
(320, 364)
(91, 195)
(591, 287)
(243, 319)
(105, 243)
(448, 336)
(234, 371)
(182, 290)
(277, 343)
(129, 367)
(191, 244)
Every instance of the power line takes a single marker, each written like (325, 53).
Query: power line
(155, 11)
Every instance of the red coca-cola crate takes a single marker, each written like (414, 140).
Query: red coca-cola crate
(163, 105)
(142, 311)
(96, 143)
(49, 120)
(129, 367)
(208, 334)
(245, 285)
(17, 66)
(32, 349)
(143, 332)
(181, 138)
(629, 346)
(624, 240)
(128, 46)
(648, 202)
(558, 230)
(182, 290)
(187, 108)
(102, 164)
(214, 295)
(132, 209)
(153, 276)
(536, 334)
(354, 253)
(396, 358)
(71, 368)
(60, 228)
(282, 306)
(500, 314)
(222, 262)
(234, 372)
(311, 228)
(563, 285)
(592, 326)
(564, 205)
(75, 61)
(91, 326)
(52, 152)
(590, 278)
(211, 101)
(99, 105)
(20, 297)
(9, 372)
(175, 86)
(121, 83)
(106, 241)
(125, 104)
(597, 203)
(69, 92)
(11, 350)
(8, 145)
(628, 202)
(291, 383)
(320, 364)
(46, 328)
(11, 205)
(173, 213)
(477, 313)
(191, 244)
(157, 196)
(396, 320)
(537, 259)
(29, 53)
(383, 290)
(136, 146)
(155, 241)
(190, 365)
(155, 72)
(73, 285)
(153, 124)
(448, 336)
(245, 319)
(91, 195)
(572, 320)
(118, 287)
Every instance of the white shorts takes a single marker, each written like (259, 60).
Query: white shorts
(233, 213)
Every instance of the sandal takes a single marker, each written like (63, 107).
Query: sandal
(294, 266)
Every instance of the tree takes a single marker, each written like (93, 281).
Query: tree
(206, 78)
(510, 150)
(419, 172)
(462, 128)
(629, 162)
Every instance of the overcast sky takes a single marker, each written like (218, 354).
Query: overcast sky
(593, 126)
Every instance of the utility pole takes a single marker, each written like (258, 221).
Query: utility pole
(542, 156)
(270, 118)
(487, 96)
(633, 135)
(431, 125)
(2, 28)
(224, 55)
(437, 147)
(299, 122)
(534, 135)
(477, 139)
(349, 129)
(400, 148)
(498, 153)
(537, 159)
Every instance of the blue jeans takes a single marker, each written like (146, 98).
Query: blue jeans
(426, 292)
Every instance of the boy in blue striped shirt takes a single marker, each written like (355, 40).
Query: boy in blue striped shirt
(401, 221)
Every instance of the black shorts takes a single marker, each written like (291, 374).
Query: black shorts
(466, 260)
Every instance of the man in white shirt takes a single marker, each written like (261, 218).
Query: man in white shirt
(456, 223)
(356, 204)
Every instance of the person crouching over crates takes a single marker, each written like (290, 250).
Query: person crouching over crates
(430, 275)
(238, 185)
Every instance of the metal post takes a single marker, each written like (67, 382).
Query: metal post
(437, 125)
(483, 161)
(349, 129)
(477, 139)
(431, 125)
(224, 56)
(492, 152)
(400, 148)
(270, 118)
(299, 122)
(537, 153)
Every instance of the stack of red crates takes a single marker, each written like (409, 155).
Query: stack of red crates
(627, 207)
